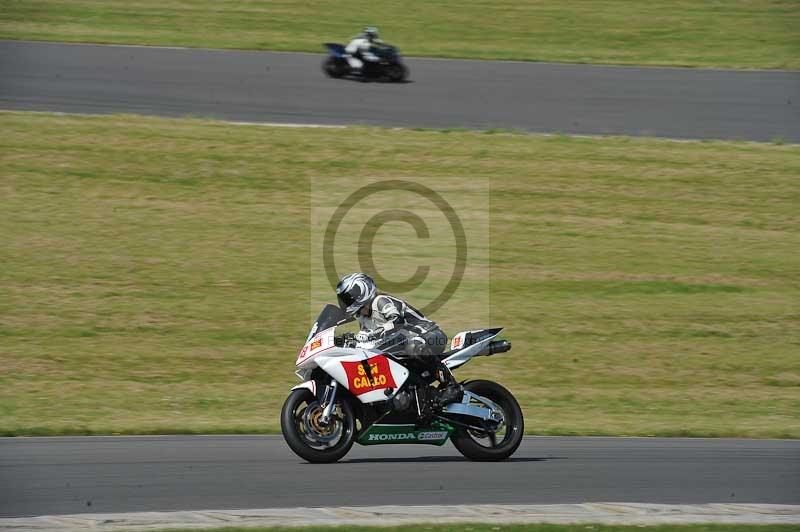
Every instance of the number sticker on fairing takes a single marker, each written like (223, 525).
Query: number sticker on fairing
(458, 341)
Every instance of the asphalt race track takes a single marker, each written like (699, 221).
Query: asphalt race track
(283, 87)
(40, 476)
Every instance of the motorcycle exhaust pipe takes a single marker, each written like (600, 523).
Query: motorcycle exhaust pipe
(498, 346)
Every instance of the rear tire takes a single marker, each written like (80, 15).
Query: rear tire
(397, 72)
(307, 438)
(469, 441)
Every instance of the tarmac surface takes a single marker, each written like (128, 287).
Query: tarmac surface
(74, 475)
(91, 475)
(291, 88)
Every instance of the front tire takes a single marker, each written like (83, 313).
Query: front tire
(334, 68)
(307, 437)
(499, 444)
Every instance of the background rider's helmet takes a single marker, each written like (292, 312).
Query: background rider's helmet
(371, 33)
(354, 291)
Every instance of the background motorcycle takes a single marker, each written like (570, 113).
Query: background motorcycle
(360, 393)
(389, 65)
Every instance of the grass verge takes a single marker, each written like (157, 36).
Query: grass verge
(478, 527)
(728, 33)
(155, 274)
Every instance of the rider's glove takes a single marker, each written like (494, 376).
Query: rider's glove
(363, 337)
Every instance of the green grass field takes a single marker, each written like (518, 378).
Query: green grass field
(477, 527)
(724, 33)
(155, 277)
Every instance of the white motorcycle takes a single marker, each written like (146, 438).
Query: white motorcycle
(372, 394)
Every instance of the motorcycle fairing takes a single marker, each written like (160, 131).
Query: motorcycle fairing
(336, 49)
(470, 344)
(322, 337)
(368, 375)
(322, 341)
(308, 385)
(365, 376)
(383, 433)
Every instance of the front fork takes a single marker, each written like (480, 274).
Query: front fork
(328, 400)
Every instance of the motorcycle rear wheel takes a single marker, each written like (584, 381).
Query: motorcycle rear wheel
(307, 437)
(483, 446)
(397, 72)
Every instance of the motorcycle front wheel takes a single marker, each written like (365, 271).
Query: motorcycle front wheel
(308, 437)
(334, 68)
(500, 443)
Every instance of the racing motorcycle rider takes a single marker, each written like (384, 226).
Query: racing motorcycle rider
(358, 50)
(379, 315)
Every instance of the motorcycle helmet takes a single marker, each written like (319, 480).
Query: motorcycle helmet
(354, 291)
(371, 33)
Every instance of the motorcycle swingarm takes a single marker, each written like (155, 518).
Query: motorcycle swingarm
(493, 413)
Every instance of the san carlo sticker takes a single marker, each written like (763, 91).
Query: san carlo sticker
(378, 378)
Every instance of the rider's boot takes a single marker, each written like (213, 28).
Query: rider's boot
(451, 390)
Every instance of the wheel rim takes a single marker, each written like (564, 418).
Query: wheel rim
(503, 429)
(313, 432)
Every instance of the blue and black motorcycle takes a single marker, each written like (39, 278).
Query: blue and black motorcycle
(388, 67)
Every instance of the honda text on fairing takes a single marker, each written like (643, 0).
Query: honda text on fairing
(386, 65)
(371, 394)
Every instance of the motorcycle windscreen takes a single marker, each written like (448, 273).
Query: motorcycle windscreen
(330, 316)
